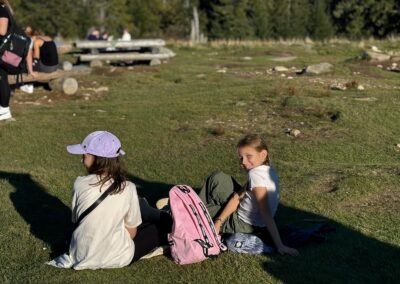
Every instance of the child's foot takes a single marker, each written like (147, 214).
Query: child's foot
(156, 252)
(162, 204)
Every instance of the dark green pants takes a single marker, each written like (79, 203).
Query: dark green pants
(215, 193)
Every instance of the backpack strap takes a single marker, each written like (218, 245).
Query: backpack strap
(10, 19)
(96, 203)
(211, 224)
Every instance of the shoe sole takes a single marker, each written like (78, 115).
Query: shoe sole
(162, 203)
(5, 116)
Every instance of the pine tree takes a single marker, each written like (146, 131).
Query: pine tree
(228, 19)
(356, 18)
(146, 16)
(299, 19)
(320, 25)
(260, 18)
(281, 18)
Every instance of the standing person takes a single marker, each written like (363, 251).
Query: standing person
(5, 91)
(112, 235)
(249, 209)
(45, 55)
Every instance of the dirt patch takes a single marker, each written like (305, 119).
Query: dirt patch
(366, 69)
(42, 95)
(233, 65)
(329, 183)
(386, 201)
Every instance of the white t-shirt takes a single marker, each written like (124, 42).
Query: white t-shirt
(101, 240)
(261, 176)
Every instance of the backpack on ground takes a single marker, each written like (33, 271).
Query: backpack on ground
(193, 237)
(14, 48)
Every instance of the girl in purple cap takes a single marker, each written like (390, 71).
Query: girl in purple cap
(103, 236)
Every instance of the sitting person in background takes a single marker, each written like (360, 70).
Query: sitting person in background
(93, 34)
(45, 55)
(126, 36)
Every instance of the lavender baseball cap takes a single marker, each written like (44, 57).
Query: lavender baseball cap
(98, 143)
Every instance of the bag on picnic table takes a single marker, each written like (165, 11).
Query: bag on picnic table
(193, 237)
(14, 48)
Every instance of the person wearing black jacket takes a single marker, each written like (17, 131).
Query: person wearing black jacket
(5, 91)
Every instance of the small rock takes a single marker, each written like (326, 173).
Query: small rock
(101, 89)
(398, 145)
(319, 68)
(74, 114)
(379, 66)
(100, 110)
(221, 71)
(290, 77)
(295, 132)
(283, 75)
(375, 56)
(371, 99)
(155, 62)
(86, 98)
(338, 87)
(200, 76)
(375, 49)
(113, 69)
(247, 58)
(49, 100)
(360, 88)
(130, 68)
(95, 63)
(240, 104)
(280, 69)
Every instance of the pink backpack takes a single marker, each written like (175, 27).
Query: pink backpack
(193, 237)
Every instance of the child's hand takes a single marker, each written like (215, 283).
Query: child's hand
(288, 250)
(217, 225)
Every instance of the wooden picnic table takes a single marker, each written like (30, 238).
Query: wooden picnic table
(152, 50)
(103, 44)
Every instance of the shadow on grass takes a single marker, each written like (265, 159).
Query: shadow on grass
(48, 217)
(347, 256)
(152, 191)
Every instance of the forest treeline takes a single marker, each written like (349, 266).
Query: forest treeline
(218, 19)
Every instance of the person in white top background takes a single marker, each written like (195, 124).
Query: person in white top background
(251, 208)
(112, 234)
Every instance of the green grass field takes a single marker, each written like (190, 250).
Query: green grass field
(180, 121)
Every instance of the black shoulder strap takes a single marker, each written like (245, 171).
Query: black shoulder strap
(96, 203)
(11, 20)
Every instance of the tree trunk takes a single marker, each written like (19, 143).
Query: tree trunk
(68, 86)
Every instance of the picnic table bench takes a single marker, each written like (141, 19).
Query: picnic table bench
(60, 80)
(97, 51)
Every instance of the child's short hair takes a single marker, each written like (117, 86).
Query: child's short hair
(255, 141)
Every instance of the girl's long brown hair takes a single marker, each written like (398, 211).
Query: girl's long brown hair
(109, 169)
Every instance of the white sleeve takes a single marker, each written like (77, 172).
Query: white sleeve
(133, 217)
(256, 179)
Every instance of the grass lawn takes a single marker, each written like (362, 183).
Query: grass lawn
(180, 121)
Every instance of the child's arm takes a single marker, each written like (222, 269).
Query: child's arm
(132, 232)
(229, 208)
(261, 195)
